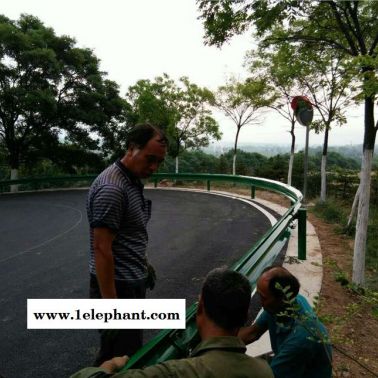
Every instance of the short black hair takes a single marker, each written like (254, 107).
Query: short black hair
(281, 279)
(226, 296)
(141, 134)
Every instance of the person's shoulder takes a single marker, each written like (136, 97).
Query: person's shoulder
(304, 304)
(113, 174)
(109, 180)
(264, 319)
(260, 367)
(302, 299)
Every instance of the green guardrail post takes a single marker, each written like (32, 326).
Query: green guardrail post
(208, 185)
(155, 183)
(302, 230)
(253, 192)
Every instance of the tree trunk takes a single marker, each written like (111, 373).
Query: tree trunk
(364, 201)
(323, 179)
(235, 149)
(177, 164)
(323, 169)
(234, 164)
(362, 220)
(354, 207)
(14, 176)
(292, 152)
(14, 162)
(290, 172)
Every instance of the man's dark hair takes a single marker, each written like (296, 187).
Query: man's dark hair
(281, 279)
(141, 134)
(226, 295)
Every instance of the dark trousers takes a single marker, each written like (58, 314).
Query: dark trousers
(116, 343)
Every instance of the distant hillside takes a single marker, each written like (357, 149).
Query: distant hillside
(269, 150)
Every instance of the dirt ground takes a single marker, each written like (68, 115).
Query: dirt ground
(348, 315)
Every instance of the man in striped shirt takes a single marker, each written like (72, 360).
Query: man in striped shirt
(118, 214)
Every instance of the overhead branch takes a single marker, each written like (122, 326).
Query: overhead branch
(228, 112)
(357, 29)
(282, 113)
(343, 27)
(310, 39)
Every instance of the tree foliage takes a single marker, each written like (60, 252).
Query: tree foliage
(349, 28)
(181, 109)
(242, 102)
(49, 88)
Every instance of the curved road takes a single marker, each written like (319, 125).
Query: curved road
(43, 254)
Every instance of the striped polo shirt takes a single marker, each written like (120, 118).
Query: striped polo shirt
(116, 201)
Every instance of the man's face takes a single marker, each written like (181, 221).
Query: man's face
(144, 162)
(268, 301)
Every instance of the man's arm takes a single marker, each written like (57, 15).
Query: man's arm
(251, 333)
(111, 369)
(103, 239)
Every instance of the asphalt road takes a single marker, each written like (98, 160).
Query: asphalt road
(44, 253)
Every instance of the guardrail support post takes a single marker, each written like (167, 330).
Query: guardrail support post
(155, 183)
(302, 230)
(208, 185)
(253, 192)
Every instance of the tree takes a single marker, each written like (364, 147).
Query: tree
(241, 101)
(179, 108)
(49, 89)
(65, 158)
(327, 82)
(349, 27)
(282, 76)
(322, 77)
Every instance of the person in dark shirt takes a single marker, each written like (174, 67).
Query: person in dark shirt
(222, 310)
(299, 340)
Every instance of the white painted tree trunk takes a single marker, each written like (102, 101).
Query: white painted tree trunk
(323, 179)
(234, 164)
(362, 219)
(290, 172)
(177, 165)
(292, 153)
(14, 176)
(354, 207)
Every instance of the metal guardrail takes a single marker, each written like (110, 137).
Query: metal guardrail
(36, 183)
(170, 344)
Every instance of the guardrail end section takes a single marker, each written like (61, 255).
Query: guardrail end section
(302, 231)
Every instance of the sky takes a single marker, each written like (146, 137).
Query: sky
(142, 39)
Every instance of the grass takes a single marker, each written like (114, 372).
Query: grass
(336, 212)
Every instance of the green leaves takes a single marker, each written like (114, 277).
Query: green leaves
(180, 108)
(49, 86)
